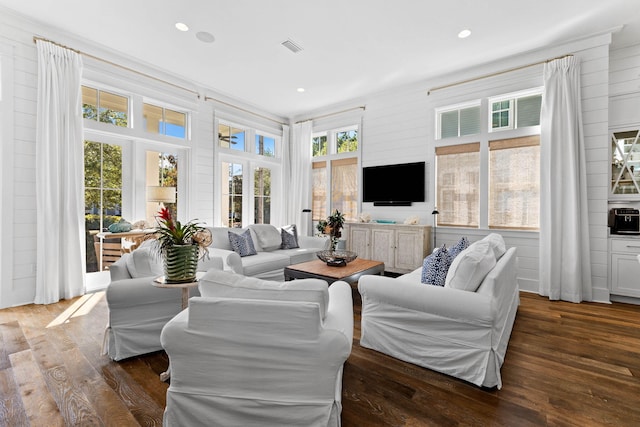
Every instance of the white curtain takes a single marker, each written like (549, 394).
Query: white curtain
(298, 178)
(565, 262)
(59, 176)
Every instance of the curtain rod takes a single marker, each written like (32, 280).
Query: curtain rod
(36, 38)
(494, 74)
(208, 98)
(360, 107)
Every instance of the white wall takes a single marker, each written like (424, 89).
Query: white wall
(18, 273)
(399, 126)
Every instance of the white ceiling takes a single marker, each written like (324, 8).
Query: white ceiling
(351, 47)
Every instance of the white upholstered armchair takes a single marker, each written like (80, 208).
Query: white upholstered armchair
(251, 352)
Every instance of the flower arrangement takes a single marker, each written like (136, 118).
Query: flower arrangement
(332, 227)
(170, 233)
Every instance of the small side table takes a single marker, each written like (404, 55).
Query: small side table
(161, 282)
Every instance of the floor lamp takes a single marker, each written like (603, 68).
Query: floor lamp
(435, 214)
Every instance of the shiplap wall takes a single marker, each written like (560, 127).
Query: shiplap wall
(399, 127)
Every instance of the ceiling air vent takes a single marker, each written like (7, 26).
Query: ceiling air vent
(292, 46)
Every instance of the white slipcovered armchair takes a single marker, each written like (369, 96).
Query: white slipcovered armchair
(138, 310)
(251, 352)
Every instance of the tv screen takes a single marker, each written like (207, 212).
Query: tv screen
(398, 184)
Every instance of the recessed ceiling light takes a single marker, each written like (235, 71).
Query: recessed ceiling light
(300, 89)
(205, 37)
(464, 34)
(182, 26)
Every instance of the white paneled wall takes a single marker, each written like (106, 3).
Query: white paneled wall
(398, 127)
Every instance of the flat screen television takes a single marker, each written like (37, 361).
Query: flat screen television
(394, 185)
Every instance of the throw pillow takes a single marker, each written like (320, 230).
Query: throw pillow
(289, 236)
(435, 267)
(497, 244)
(469, 268)
(454, 250)
(242, 243)
(267, 235)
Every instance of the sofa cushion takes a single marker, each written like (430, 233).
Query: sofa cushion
(496, 242)
(454, 250)
(263, 262)
(435, 267)
(470, 267)
(144, 262)
(242, 243)
(230, 285)
(289, 237)
(267, 235)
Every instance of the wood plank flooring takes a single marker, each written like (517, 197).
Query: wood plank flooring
(566, 365)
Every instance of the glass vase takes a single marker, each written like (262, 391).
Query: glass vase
(181, 263)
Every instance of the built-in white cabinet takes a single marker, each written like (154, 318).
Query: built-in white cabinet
(401, 247)
(624, 266)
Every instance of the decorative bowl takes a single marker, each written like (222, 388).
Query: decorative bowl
(337, 258)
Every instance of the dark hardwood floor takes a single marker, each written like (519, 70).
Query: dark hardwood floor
(566, 365)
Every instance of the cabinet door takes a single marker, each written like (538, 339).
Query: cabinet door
(408, 253)
(359, 241)
(382, 246)
(625, 164)
(625, 275)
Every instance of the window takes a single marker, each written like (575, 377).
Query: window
(493, 183)
(105, 107)
(458, 194)
(319, 144)
(265, 145)
(262, 195)
(514, 183)
(319, 191)
(102, 194)
(164, 121)
(458, 121)
(335, 173)
(515, 111)
(251, 167)
(231, 137)
(161, 171)
(232, 194)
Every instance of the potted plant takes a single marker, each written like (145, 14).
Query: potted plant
(335, 222)
(180, 246)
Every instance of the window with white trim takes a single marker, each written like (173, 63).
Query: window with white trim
(503, 171)
(250, 165)
(458, 120)
(335, 172)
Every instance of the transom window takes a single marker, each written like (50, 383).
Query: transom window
(164, 121)
(105, 107)
(515, 111)
(458, 120)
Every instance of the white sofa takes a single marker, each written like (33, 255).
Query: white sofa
(270, 260)
(138, 310)
(462, 333)
(251, 352)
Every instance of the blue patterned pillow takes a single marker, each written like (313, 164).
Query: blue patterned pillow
(289, 237)
(435, 267)
(242, 243)
(454, 250)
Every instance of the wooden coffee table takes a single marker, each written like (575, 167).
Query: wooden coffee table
(317, 269)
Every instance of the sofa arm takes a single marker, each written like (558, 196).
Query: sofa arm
(118, 270)
(340, 310)
(464, 306)
(313, 242)
(209, 262)
(230, 259)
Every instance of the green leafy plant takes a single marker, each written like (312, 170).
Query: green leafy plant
(171, 233)
(335, 222)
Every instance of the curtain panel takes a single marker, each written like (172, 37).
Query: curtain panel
(59, 175)
(565, 260)
(298, 177)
